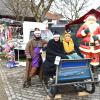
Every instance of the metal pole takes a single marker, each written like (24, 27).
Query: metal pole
(18, 53)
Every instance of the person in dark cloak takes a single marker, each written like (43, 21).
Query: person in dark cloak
(54, 48)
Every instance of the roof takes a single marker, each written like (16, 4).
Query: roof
(28, 18)
(81, 19)
(13, 17)
(53, 16)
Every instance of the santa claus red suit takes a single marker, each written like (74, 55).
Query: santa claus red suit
(90, 43)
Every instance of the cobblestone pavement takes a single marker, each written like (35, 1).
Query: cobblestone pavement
(13, 79)
(2, 91)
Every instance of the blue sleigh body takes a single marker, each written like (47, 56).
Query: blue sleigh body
(76, 73)
(73, 70)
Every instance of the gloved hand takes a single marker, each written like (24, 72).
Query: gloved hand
(95, 38)
(86, 31)
(67, 57)
(44, 48)
(29, 59)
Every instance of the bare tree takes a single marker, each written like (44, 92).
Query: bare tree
(36, 8)
(71, 9)
(39, 8)
(18, 8)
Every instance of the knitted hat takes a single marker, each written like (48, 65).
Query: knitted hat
(56, 34)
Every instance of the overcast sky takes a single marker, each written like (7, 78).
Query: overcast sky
(94, 4)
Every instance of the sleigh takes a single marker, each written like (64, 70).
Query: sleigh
(76, 73)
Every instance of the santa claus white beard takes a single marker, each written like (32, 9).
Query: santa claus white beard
(93, 27)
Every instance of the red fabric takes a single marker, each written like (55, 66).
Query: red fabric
(9, 33)
(94, 57)
(87, 38)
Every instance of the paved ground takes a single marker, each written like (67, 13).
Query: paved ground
(2, 91)
(11, 81)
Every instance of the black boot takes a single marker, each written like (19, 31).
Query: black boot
(27, 83)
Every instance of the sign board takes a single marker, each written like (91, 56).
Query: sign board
(57, 60)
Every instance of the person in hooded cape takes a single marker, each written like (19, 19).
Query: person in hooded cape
(33, 58)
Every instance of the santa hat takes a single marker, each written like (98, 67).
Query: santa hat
(56, 34)
(90, 17)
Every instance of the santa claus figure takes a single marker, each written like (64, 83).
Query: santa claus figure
(90, 43)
